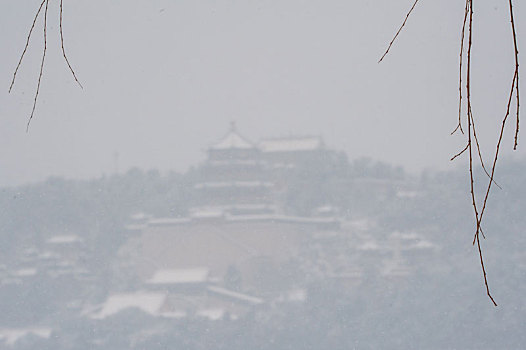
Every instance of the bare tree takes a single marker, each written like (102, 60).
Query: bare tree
(43, 5)
(472, 147)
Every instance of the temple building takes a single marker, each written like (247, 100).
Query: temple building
(241, 247)
(237, 221)
(234, 179)
(240, 177)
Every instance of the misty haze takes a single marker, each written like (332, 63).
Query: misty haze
(245, 175)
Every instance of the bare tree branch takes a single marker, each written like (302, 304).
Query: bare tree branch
(471, 133)
(41, 67)
(64, 51)
(516, 75)
(462, 36)
(44, 51)
(27, 44)
(398, 32)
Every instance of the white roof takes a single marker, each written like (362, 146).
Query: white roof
(11, 335)
(176, 276)
(207, 213)
(212, 314)
(145, 301)
(233, 184)
(290, 144)
(168, 221)
(25, 272)
(369, 245)
(64, 239)
(235, 295)
(232, 140)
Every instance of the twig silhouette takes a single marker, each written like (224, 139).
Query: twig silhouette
(27, 44)
(516, 74)
(64, 51)
(41, 67)
(462, 36)
(399, 30)
(471, 133)
(43, 4)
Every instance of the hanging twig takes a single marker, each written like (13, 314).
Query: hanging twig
(497, 149)
(41, 67)
(64, 51)
(462, 36)
(44, 51)
(398, 32)
(27, 44)
(516, 75)
(471, 133)
(475, 137)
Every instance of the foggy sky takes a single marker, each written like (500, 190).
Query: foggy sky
(162, 80)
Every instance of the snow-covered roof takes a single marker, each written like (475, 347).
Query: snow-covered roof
(232, 140)
(148, 302)
(207, 213)
(177, 276)
(140, 216)
(233, 184)
(64, 239)
(168, 221)
(369, 245)
(284, 218)
(212, 314)
(291, 144)
(11, 335)
(230, 162)
(235, 295)
(25, 272)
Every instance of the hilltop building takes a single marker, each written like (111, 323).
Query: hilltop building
(240, 177)
(237, 221)
(240, 247)
(233, 180)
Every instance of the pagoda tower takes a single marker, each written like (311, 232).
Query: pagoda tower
(234, 179)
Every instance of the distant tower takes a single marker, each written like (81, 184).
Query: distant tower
(233, 179)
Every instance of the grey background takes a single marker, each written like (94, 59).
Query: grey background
(163, 78)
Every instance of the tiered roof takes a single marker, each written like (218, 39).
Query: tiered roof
(291, 144)
(232, 140)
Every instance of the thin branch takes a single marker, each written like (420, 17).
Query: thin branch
(515, 46)
(462, 36)
(480, 153)
(472, 178)
(497, 150)
(460, 153)
(481, 231)
(484, 272)
(399, 30)
(41, 67)
(27, 44)
(471, 134)
(470, 123)
(469, 119)
(64, 51)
